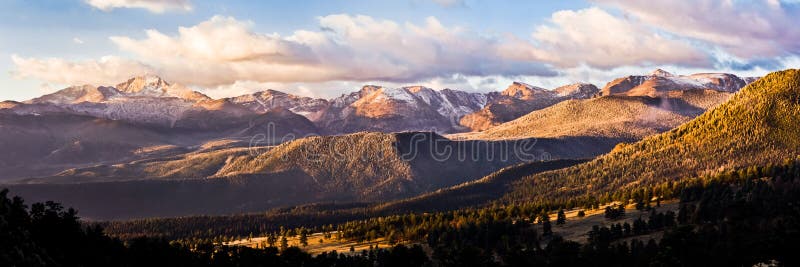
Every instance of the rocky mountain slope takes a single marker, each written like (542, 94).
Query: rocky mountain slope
(625, 115)
(267, 100)
(416, 108)
(622, 117)
(44, 143)
(375, 108)
(151, 100)
(520, 99)
(660, 82)
(147, 100)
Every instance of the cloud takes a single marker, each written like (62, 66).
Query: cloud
(226, 53)
(219, 40)
(746, 29)
(104, 71)
(77, 40)
(596, 38)
(155, 6)
(223, 50)
(450, 3)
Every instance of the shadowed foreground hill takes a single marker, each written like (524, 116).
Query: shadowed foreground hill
(45, 144)
(473, 193)
(378, 166)
(759, 126)
(227, 178)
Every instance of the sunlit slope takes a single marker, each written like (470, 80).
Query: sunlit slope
(760, 125)
(625, 117)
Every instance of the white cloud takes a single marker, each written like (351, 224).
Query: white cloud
(224, 50)
(105, 71)
(77, 40)
(220, 39)
(155, 6)
(744, 28)
(596, 38)
(345, 51)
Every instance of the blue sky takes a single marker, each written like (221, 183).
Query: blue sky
(324, 48)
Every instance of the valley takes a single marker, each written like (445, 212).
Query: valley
(365, 189)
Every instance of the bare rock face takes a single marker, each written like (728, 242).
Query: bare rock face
(264, 101)
(9, 104)
(520, 99)
(139, 100)
(577, 91)
(614, 117)
(659, 82)
(523, 91)
(150, 100)
(77, 94)
(628, 108)
(376, 108)
(154, 86)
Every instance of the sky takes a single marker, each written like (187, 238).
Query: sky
(324, 48)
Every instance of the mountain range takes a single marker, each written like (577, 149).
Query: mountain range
(147, 133)
(149, 100)
(761, 119)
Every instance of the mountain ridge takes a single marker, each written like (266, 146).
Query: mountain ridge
(660, 81)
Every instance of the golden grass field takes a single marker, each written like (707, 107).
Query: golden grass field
(574, 230)
(314, 244)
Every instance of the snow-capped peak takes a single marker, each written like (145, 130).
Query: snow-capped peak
(144, 85)
(661, 73)
(579, 90)
(400, 94)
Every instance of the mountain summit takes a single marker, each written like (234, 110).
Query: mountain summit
(661, 82)
(154, 86)
(661, 73)
(143, 84)
(377, 108)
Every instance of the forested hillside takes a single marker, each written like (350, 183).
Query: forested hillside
(760, 125)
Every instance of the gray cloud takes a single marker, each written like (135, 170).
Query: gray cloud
(746, 29)
(155, 6)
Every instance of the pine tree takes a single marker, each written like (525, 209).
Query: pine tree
(562, 218)
(304, 237)
(271, 240)
(547, 228)
(284, 243)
